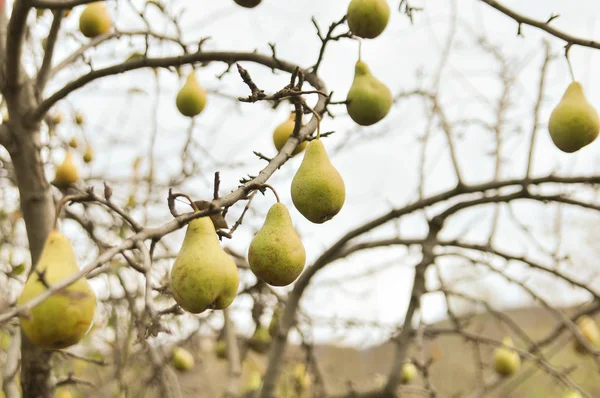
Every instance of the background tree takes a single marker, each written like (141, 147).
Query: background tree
(458, 227)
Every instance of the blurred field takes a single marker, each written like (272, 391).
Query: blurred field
(454, 373)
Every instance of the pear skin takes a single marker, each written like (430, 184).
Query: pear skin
(574, 123)
(66, 172)
(64, 318)
(369, 100)
(182, 359)
(283, 132)
(203, 275)
(94, 20)
(318, 190)
(276, 254)
(261, 339)
(506, 362)
(191, 99)
(368, 18)
(247, 3)
(409, 372)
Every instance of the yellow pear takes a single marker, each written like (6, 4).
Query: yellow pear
(191, 99)
(368, 18)
(302, 380)
(65, 317)
(260, 340)
(318, 190)
(94, 20)
(247, 3)
(253, 382)
(590, 332)
(66, 172)
(88, 155)
(203, 275)
(276, 254)
(506, 361)
(221, 349)
(369, 100)
(182, 359)
(409, 372)
(574, 123)
(283, 132)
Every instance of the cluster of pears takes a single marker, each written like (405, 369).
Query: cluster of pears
(574, 123)
(506, 361)
(248, 3)
(590, 332)
(191, 98)
(95, 20)
(203, 276)
(64, 318)
(182, 359)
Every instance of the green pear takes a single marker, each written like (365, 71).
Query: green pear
(318, 190)
(409, 372)
(191, 99)
(253, 382)
(283, 132)
(574, 123)
(590, 332)
(276, 254)
(66, 172)
(368, 18)
(65, 317)
(260, 340)
(506, 361)
(182, 359)
(94, 20)
(369, 100)
(203, 275)
(247, 3)
(275, 319)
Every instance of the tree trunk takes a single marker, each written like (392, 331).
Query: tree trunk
(37, 208)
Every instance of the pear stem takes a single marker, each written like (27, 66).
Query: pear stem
(272, 190)
(359, 49)
(569, 62)
(185, 195)
(318, 128)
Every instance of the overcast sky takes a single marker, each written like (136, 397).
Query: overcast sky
(380, 167)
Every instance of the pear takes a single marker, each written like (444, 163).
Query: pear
(369, 100)
(63, 394)
(573, 394)
(73, 143)
(275, 319)
(94, 20)
(88, 155)
(191, 99)
(260, 340)
(221, 349)
(318, 190)
(276, 254)
(302, 380)
(203, 275)
(65, 317)
(79, 119)
(409, 372)
(506, 361)
(283, 132)
(248, 3)
(66, 172)
(590, 332)
(253, 382)
(368, 18)
(182, 359)
(574, 123)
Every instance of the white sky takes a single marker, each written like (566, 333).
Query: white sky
(379, 171)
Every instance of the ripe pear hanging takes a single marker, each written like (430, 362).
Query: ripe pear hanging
(369, 100)
(260, 340)
(182, 359)
(574, 123)
(276, 254)
(203, 275)
(590, 332)
(506, 361)
(191, 99)
(283, 132)
(318, 190)
(66, 172)
(368, 18)
(248, 3)
(65, 317)
(94, 20)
